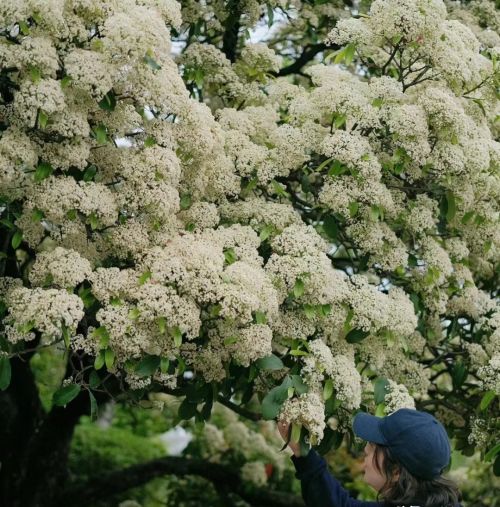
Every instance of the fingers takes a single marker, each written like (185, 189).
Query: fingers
(283, 428)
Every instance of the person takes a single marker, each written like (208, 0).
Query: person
(405, 455)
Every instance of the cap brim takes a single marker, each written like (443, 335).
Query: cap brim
(367, 427)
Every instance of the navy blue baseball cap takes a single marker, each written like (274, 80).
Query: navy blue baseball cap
(416, 439)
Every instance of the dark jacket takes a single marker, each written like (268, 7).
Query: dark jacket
(321, 489)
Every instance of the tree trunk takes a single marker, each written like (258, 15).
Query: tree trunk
(34, 446)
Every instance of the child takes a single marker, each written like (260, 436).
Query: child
(404, 458)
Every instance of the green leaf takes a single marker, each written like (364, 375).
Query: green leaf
(375, 213)
(339, 57)
(162, 324)
(379, 390)
(42, 119)
(149, 141)
(65, 334)
(380, 410)
(496, 467)
(297, 352)
(492, 452)
(177, 334)
(144, 278)
(37, 215)
(17, 239)
(271, 362)
(185, 201)
(89, 173)
(480, 104)
(272, 402)
(295, 436)
(134, 313)
(43, 170)
(339, 120)
(109, 358)
(377, 102)
(96, 45)
(7, 223)
(230, 340)
(266, 232)
(230, 256)
(35, 74)
(323, 164)
(147, 366)
(326, 310)
(356, 335)
(331, 228)
(94, 379)
(353, 208)
(298, 288)
(151, 62)
(99, 360)
(5, 372)
(198, 77)
(299, 385)
(458, 374)
(65, 394)
(93, 407)
(101, 134)
(101, 333)
(115, 301)
(108, 102)
(337, 169)
(451, 208)
(310, 311)
(24, 28)
(164, 364)
(65, 81)
(331, 440)
(349, 53)
(487, 399)
(270, 16)
(260, 318)
(327, 389)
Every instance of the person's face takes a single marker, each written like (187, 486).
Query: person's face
(372, 476)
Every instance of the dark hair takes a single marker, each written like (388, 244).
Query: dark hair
(408, 489)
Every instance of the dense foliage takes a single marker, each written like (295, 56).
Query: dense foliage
(299, 228)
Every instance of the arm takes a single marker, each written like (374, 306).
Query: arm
(319, 487)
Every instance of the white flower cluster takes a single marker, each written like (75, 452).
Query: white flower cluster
(61, 267)
(306, 410)
(374, 310)
(397, 397)
(254, 472)
(490, 374)
(50, 311)
(341, 369)
(179, 204)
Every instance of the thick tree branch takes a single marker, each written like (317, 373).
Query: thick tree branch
(307, 55)
(85, 494)
(231, 29)
(253, 416)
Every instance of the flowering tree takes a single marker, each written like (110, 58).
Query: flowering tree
(300, 228)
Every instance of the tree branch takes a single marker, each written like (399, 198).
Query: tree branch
(253, 416)
(113, 483)
(307, 55)
(231, 29)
